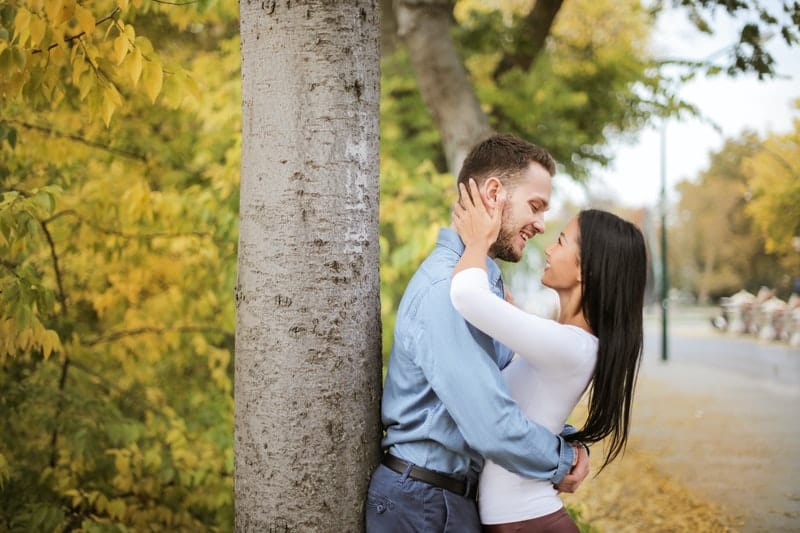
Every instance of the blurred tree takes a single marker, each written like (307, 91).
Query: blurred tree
(716, 252)
(594, 80)
(464, 53)
(117, 246)
(773, 180)
(569, 76)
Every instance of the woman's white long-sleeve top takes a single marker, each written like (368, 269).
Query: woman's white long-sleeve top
(553, 368)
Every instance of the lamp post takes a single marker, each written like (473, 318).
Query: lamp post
(664, 277)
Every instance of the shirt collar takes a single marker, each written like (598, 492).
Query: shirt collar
(448, 238)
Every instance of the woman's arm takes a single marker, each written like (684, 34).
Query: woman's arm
(542, 342)
(477, 227)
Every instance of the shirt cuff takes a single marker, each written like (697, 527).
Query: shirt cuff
(566, 458)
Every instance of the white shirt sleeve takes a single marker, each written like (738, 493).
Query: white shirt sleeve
(544, 343)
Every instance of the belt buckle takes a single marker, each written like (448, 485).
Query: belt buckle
(468, 487)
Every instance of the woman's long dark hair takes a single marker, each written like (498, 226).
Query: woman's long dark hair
(613, 275)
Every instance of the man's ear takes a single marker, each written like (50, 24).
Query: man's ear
(492, 191)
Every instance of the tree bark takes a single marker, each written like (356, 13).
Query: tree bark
(424, 26)
(308, 348)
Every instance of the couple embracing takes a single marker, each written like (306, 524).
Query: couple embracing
(478, 391)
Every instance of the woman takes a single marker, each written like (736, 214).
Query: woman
(598, 269)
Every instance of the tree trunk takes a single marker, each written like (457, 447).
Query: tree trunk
(308, 348)
(424, 26)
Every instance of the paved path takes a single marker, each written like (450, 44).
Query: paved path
(721, 416)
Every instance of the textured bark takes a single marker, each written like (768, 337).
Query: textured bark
(308, 348)
(424, 26)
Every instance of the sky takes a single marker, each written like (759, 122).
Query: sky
(734, 104)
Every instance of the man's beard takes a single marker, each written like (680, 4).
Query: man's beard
(503, 247)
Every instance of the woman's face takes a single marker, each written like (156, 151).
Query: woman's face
(562, 270)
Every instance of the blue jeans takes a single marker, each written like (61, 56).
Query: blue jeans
(399, 504)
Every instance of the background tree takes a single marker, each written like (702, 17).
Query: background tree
(308, 363)
(516, 37)
(774, 195)
(571, 76)
(717, 249)
(117, 263)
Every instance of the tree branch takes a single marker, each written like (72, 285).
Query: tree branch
(77, 138)
(175, 3)
(425, 27)
(11, 267)
(81, 219)
(532, 35)
(61, 295)
(65, 366)
(151, 330)
(77, 35)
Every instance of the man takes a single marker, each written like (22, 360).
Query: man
(445, 404)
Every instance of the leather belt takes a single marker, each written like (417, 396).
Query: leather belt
(443, 481)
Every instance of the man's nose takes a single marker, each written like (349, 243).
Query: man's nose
(538, 224)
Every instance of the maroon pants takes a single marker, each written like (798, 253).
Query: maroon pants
(558, 522)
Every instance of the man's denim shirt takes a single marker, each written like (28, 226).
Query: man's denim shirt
(445, 405)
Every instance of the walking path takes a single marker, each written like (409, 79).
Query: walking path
(715, 444)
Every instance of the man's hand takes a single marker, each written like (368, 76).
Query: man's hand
(577, 473)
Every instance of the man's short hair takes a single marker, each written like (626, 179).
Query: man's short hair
(505, 157)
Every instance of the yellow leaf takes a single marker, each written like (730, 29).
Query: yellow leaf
(101, 504)
(38, 27)
(113, 95)
(144, 44)
(57, 97)
(135, 66)
(87, 83)
(24, 339)
(120, 48)
(22, 24)
(67, 12)
(18, 55)
(79, 66)
(85, 19)
(50, 343)
(152, 79)
(53, 9)
(106, 110)
(76, 496)
(123, 5)
(116, 508)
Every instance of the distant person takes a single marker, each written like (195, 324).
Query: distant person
(446, 408)
(598, 268)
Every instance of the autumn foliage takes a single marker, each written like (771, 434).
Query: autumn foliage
(119, 153)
